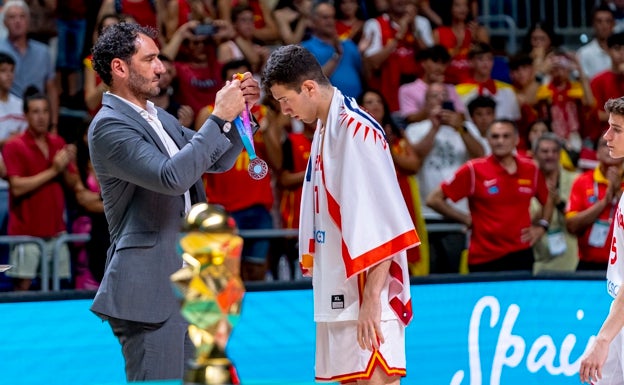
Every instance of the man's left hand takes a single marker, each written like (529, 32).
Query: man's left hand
(250, 88)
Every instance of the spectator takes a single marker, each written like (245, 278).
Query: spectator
(71, 24)
(247, 200)
(594, 56)
(539, 41)
(457, 37)
(439, 12)
(349, 20)
(91, 257)
(179, 12)
(444, 142)
(535, 131)
(94, 87)
(12, 119)
(490, 184)
(144, 12)
(293, 20)
(296, 152)
(42, 25)
(609, 83)
(165, 100)
(481, 110)
(522, 74)
(407, 163)
(422, 26)
(617, 6)
(434, 61)
(591, 208)
(558, 249)
(33, 65)
(390, 58)
(12, 122)
(340, 59)
(275, 126)
(566, 102)
(265, 28)
(481, 83)
(242, 45)
(37, 163)
(195, 58)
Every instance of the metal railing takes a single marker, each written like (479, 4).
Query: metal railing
(64, 238)
(70, 238)
(12, 240)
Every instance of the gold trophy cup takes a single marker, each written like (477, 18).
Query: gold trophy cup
(211, 291)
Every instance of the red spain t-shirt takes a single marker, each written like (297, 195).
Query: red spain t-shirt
(499, 204)
(587, 189)
(40, 212)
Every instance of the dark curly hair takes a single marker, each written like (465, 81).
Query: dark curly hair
(290, 66)
(117, 41)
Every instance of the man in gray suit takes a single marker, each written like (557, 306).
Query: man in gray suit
(149, 168)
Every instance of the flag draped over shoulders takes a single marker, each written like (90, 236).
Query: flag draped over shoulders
(364, 203)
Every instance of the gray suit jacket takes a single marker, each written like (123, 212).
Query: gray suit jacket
(143, 192)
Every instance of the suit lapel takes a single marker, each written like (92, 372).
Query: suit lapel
(170, 126)
(118, 105)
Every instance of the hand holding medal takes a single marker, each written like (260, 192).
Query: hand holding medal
(258, 168)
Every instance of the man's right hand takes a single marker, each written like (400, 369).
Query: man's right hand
(229, 101)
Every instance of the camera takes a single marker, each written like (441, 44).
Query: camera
(205, 30)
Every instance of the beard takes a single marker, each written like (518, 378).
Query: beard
(141, 87)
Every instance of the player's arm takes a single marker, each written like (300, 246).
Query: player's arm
(591, 365)
(369, 319)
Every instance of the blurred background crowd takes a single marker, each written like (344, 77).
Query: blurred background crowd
(435, 75)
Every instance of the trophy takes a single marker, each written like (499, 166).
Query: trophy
(211, 291)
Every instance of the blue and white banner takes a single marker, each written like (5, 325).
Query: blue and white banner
(480, 333)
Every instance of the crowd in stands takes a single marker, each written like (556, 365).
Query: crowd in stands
(499, 155)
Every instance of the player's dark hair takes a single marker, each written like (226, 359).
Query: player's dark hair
(290, 66)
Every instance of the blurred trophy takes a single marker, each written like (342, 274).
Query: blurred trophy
(211, 291)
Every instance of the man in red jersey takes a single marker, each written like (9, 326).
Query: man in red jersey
(499, 189)
(591, 208)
